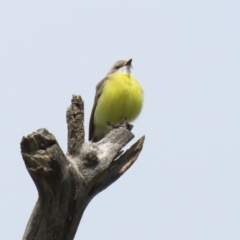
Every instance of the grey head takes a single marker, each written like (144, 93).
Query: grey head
(121, 66)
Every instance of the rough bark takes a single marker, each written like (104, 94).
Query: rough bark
(67, 183)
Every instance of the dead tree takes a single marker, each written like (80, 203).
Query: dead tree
(67, 183)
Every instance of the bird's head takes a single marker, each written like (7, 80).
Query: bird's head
(122, 66)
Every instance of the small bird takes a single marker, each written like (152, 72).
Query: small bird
(119, 97)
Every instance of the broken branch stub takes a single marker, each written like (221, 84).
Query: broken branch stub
(67, 183)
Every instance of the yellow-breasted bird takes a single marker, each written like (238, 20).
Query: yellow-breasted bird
(118, 97)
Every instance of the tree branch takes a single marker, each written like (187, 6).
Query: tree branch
(67, 183)
(75, 118)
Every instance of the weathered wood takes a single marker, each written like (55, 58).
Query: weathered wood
(67, 183)
(75, 118)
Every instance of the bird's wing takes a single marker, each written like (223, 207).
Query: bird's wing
(99, 89)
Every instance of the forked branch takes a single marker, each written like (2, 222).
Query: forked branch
(67, 183)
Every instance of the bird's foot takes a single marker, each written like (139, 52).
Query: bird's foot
(123, 124)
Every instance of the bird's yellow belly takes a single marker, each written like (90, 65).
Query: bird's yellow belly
(122, 98)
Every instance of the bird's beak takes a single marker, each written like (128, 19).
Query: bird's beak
(129, 62)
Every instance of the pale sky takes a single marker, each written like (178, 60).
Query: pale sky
(186, 56)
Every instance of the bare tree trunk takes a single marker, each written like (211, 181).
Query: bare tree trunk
(67, 183)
